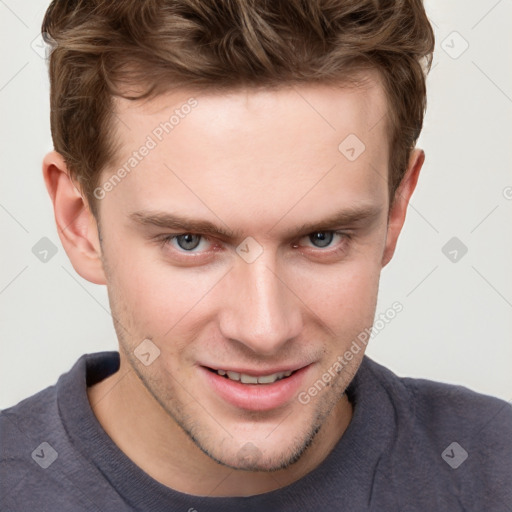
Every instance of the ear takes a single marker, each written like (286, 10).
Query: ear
(76, 224)
(401, 201)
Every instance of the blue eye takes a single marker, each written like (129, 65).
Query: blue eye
(188, 245)
(186, 242)
(323, 237)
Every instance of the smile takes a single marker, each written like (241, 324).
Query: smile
(253, 379)
(256, 392)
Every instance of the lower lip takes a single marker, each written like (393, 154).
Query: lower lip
(256, 397)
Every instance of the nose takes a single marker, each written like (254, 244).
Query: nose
(259, 310)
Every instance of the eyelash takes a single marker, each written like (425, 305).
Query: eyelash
(166, 240)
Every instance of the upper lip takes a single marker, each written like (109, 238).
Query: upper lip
(257, 372)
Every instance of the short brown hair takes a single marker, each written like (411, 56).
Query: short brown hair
(100, 46)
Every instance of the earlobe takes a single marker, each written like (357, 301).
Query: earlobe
(76, 224)
(401, 201)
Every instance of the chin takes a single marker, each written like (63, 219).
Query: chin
(265, 456)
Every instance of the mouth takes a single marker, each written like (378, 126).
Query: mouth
(245, 378)
(255, 390)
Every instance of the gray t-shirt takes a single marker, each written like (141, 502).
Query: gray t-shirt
(412, 445)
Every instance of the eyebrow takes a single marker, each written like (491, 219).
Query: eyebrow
(348, 216)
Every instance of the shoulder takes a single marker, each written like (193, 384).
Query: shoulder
(437, 398)
(28, 445)
(443, 406)
(41, 465)
(26, 420)
(449, 442)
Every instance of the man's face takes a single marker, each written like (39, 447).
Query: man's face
(267, 293)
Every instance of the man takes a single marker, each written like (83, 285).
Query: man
(237, 174)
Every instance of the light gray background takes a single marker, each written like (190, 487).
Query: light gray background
(456, 323)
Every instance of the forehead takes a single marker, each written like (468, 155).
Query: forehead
(248, 113)
(254, 151)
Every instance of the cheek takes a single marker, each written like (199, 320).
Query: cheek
(156, 299)
(343, 293)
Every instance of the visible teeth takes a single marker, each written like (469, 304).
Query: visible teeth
(268, 379)
(248, 379)
(251, 379)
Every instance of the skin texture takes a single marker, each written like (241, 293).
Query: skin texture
(261, 163)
